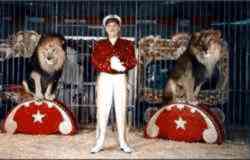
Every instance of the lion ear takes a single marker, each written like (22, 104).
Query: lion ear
(195, 36)
(63, 41)
(217, 34)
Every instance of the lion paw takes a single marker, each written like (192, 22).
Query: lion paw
(50, 97)
(193, 102)
(39, 96)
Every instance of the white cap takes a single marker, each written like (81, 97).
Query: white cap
(111, 16)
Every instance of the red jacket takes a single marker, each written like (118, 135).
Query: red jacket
(104, 50)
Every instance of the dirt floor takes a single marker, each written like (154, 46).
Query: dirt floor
(78, 146)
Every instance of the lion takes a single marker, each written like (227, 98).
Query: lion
(194, 66)
(46, 67)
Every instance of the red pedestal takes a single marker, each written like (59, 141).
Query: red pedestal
(183, 122)
(40, 117)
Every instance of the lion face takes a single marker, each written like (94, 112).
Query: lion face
(51, 54)
(207, 46)
(204, 41)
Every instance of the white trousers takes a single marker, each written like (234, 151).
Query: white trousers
(111, 87)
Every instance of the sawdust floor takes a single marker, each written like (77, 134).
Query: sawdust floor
(79, 145)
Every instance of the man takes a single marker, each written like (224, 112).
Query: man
(112, 58)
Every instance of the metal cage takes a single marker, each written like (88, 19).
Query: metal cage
(80, 23)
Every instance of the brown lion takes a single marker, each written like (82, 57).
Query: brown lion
(194, 66)
(46, 67)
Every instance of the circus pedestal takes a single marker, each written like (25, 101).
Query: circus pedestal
(40, 117)
(183, 122)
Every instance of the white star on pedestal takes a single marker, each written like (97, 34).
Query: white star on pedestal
(38, 117)
(180, 123)
(180, 106)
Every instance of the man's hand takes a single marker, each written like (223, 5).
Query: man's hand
(116, 64)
